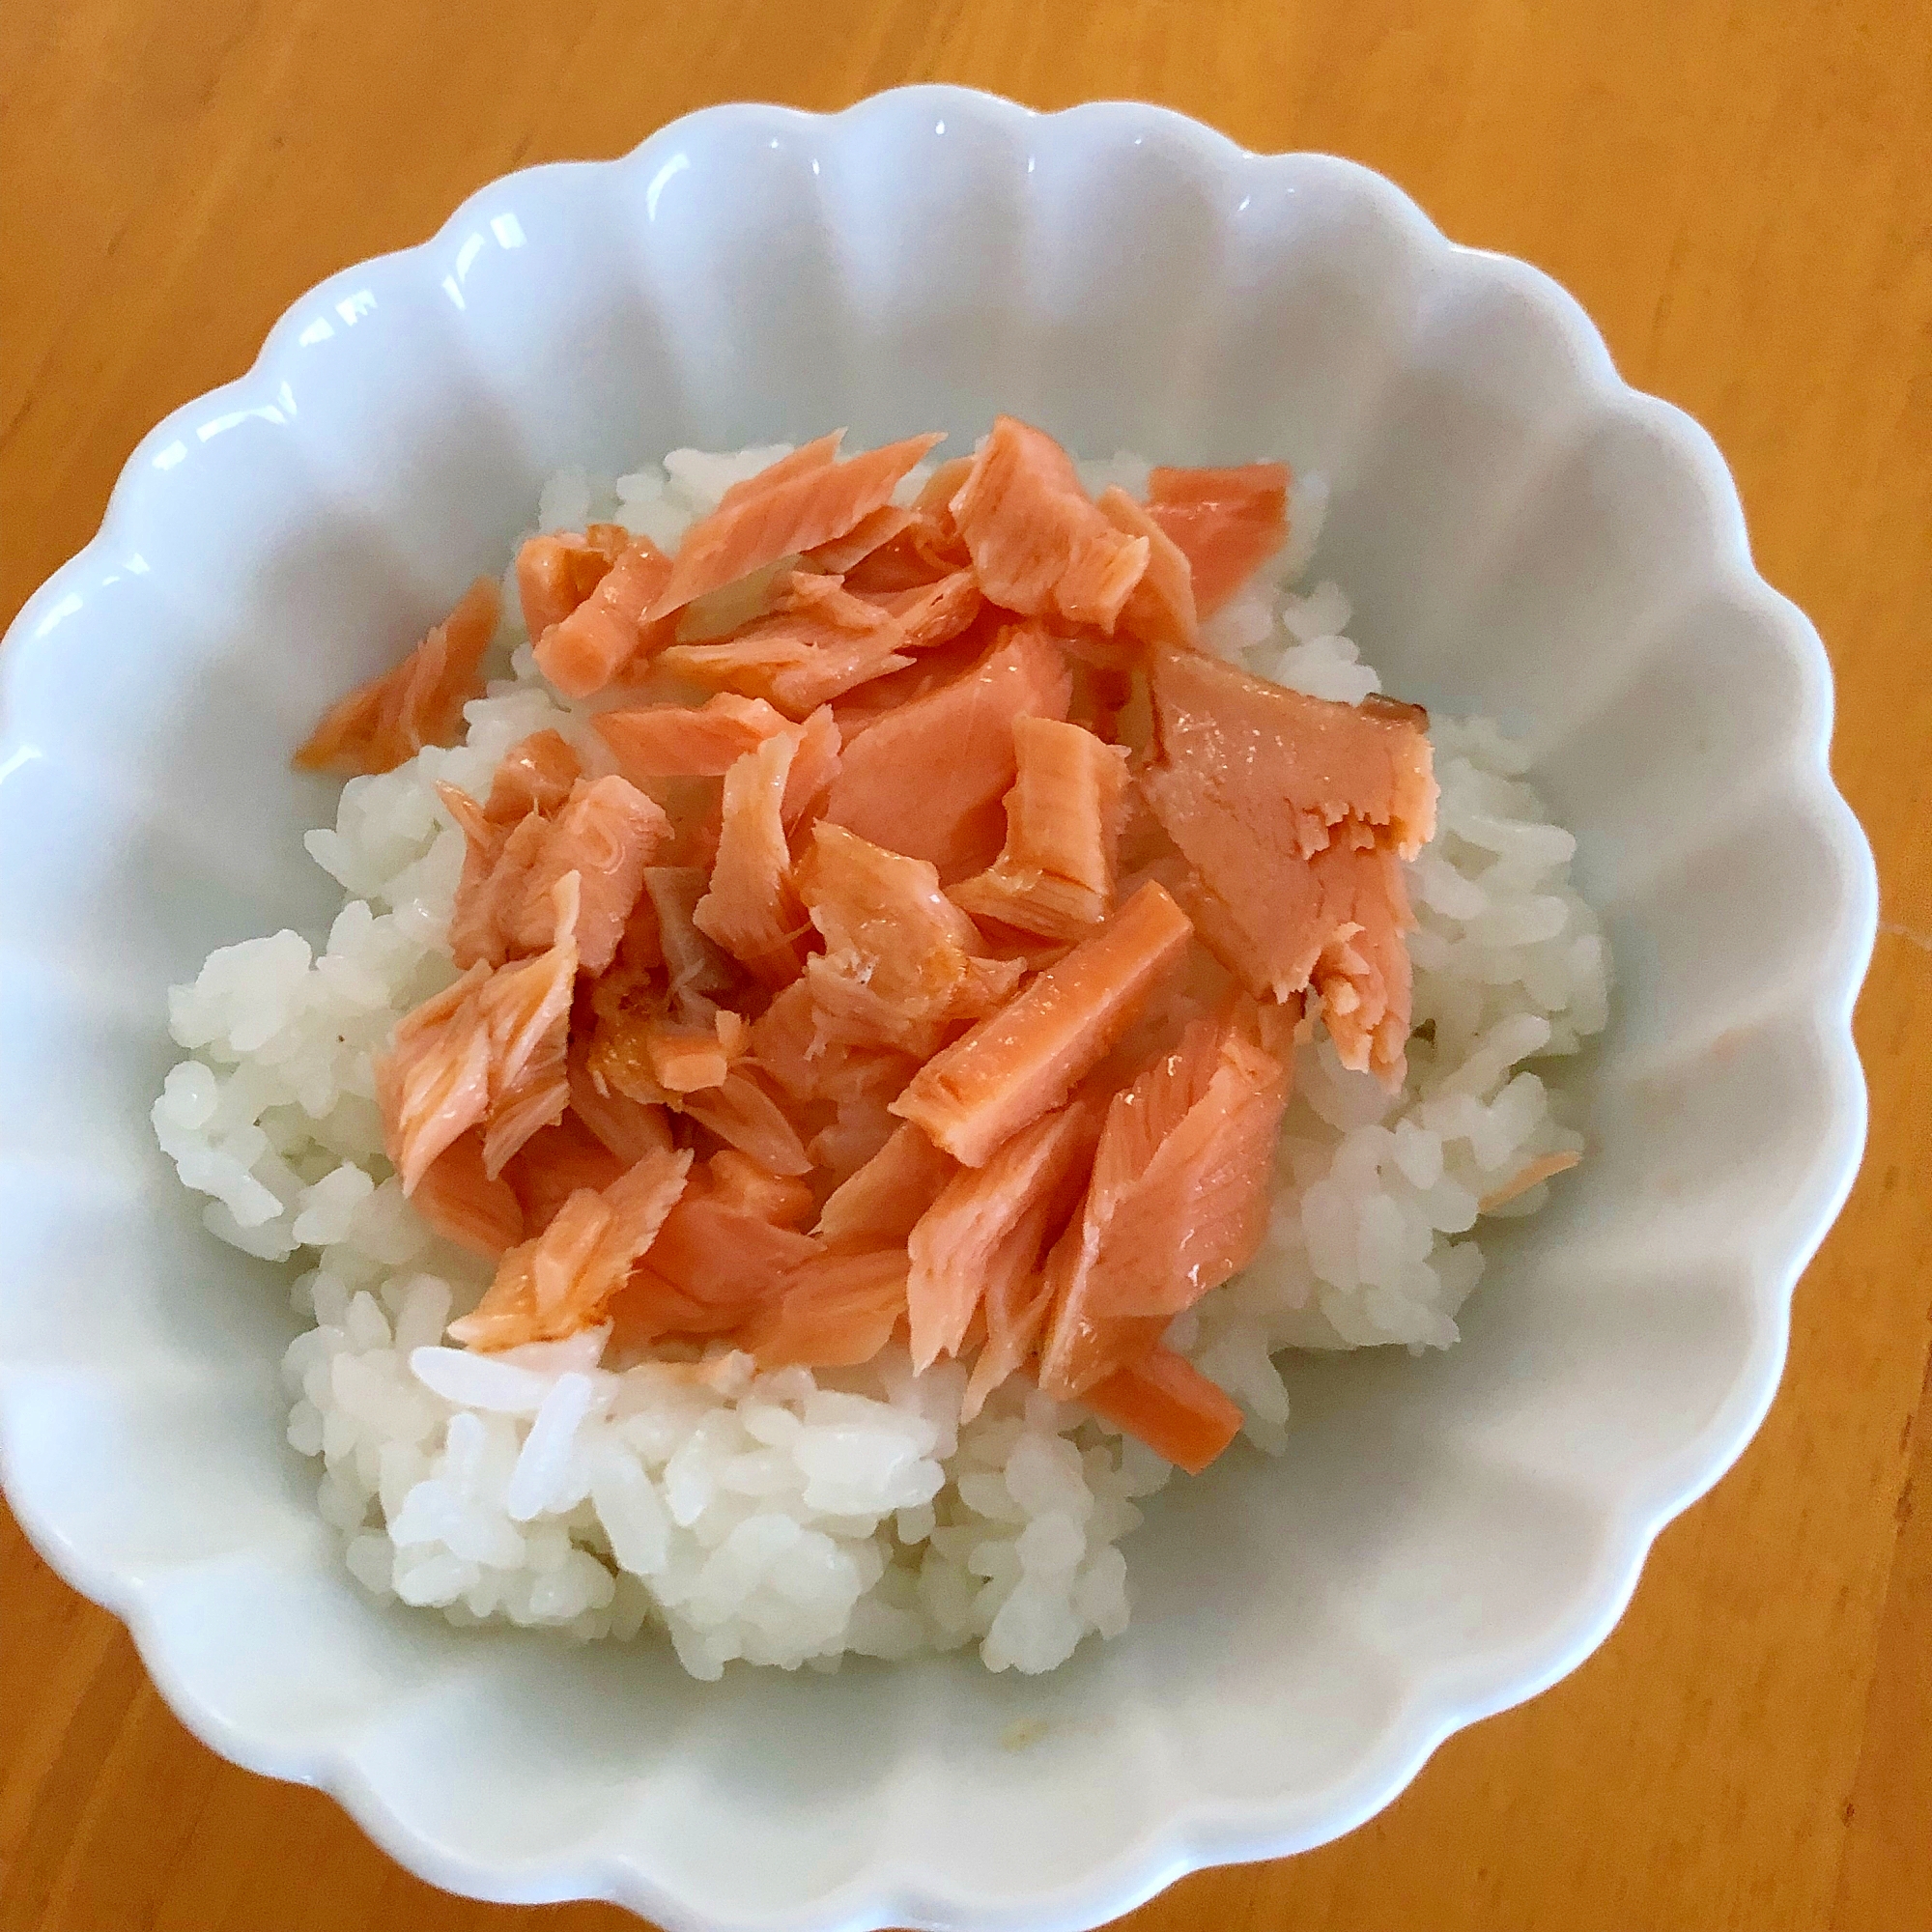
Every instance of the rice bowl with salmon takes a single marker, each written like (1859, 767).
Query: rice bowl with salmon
(875, 996)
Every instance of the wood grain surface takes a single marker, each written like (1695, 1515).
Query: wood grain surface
(1738, 190)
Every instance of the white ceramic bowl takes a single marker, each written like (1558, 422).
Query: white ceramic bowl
(1522, 533)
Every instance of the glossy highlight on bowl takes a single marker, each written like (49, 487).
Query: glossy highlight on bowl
(1523, 535)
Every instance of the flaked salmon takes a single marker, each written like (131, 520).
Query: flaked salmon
(700, 969)
(804, 506)
(558, 571)
(433, 1085)
(584, 651)
(1227, 523)
(526, 1014)
(813, 767)
(1029, 1057)
(927, 778)
(1177, 1202)
(550, 1286)
(1038, 543)
(936, 975)
(383, 723)
(1055, 875)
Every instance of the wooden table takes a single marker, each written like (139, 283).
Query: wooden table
(1740, 194)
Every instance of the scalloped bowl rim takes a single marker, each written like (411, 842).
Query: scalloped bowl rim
(1202, 1832)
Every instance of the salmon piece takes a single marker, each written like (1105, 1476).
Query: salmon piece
(1351, 898)
(556, 1162)
(675, 741)
(628, 1128)
(699, 970)
(985, 1229)
(587, 649)
(1164, 1401)
(930, 671)
(835, 559)
(1531, 1175)
(697, 823)
(536, 775)
(525, 1012)
(386, 721)
(476, 1211)
(487, 888)
(805, 506)
(1013, 1312)
(562, 1281)
(835, 1312)
(742, 1114)
(836, 1092)
(929, 548)
(1038, 543)
(742, 1183)
(806, 458)
(722, 614)
(1161, 609)
(785, 1043)
(556, 572)
(1292, 812)
(1029, 1057)
(880, 1204)
(1054, 876)
(932, 614)
(608, 833)
(1227, 523)
(1299, 765)
(684, 1060)
(716, 1261)
(818, 642)
(935, 497)
(1177, 1202)
(862, 1123)
(433, 1085)
(926, 780)
(903, 966)
(813, 767)
(672, 741)
(751, 908)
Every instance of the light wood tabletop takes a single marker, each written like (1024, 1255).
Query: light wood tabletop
(1738, 194)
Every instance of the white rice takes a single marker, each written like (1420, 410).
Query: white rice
(788, 1519)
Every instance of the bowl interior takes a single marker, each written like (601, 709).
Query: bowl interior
(1521, 535)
